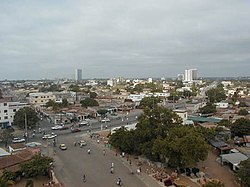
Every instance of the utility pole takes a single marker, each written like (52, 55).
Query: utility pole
(26, 129)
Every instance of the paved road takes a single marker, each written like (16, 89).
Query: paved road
(72, 163)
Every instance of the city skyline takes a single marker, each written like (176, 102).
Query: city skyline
(47, 39)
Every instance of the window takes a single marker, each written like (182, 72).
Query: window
(14, 110)
(41, 101)
(5, 111)
(5, 117)
(5, 104)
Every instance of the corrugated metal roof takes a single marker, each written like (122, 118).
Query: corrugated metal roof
(204, 119)
(234, 158)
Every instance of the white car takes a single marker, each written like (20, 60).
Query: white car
(18, 140)
(105, 120)
(57, 127)
(49, 136)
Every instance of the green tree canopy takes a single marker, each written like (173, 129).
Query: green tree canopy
(225, 123)
(153, 124)
(123, 140)
(89, 102)
(31, 116)
(64, 103)
(241, 127)
(38, 165)
(102, 112)
(149, 102)
(1, 94)
(7, 179)
(185, 146)
(244, 172)
(6, 135)
(208, 109)
(92, 95)
(243, 112)
(216, 94)
(74, 88)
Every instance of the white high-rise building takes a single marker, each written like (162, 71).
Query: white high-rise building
(78, 74)
(190, 75)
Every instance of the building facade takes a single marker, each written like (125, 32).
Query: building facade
(7, 112)
(78, 75)
(190, 75)
(39, 99)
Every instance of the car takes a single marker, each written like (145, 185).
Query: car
(18, 140)
(49, 136)
(57, 127)
(83, 123)
(62, 147)
(105, 120)
(73, 130)
(82, 143)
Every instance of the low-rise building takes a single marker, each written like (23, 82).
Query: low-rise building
(39, 99)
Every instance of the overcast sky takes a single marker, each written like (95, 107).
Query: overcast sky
(129, 38)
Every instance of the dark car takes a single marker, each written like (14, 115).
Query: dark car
(73, 130)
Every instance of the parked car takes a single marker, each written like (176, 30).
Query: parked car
(82, 143)
(83, 123)
(105, 120)
(57, 127)
(62, 147)
(18, 140)
(73, 130)
(49, 136)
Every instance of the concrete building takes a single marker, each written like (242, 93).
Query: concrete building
(182, 114)
(8, 110)
(39, 99)
(190, 75)
(78, 75)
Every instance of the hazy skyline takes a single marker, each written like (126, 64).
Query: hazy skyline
(132, 38)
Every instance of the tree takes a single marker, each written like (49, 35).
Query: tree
(6, 135)
(31, 117)
(150, 102)
(225, 123)
(243, 172)
(243, 104)
(7, 179)
(152, 124)
(102, 112)
(64, 102)
(214, 183)
(216, 94)
(92, 95)
(38, 165)
(123, 140)
(1, 94)
(89, 102)
(243, 112)
(241, 127)
(74, 88)
(208, 109)
(184, 147)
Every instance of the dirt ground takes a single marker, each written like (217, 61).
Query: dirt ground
(217, 171)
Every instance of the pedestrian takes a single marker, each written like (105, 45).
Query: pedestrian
(104, 152)
(84, 178)
(130, 162)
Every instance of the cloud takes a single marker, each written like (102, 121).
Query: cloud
(142, 38)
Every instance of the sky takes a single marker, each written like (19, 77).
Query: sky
(128, 38)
